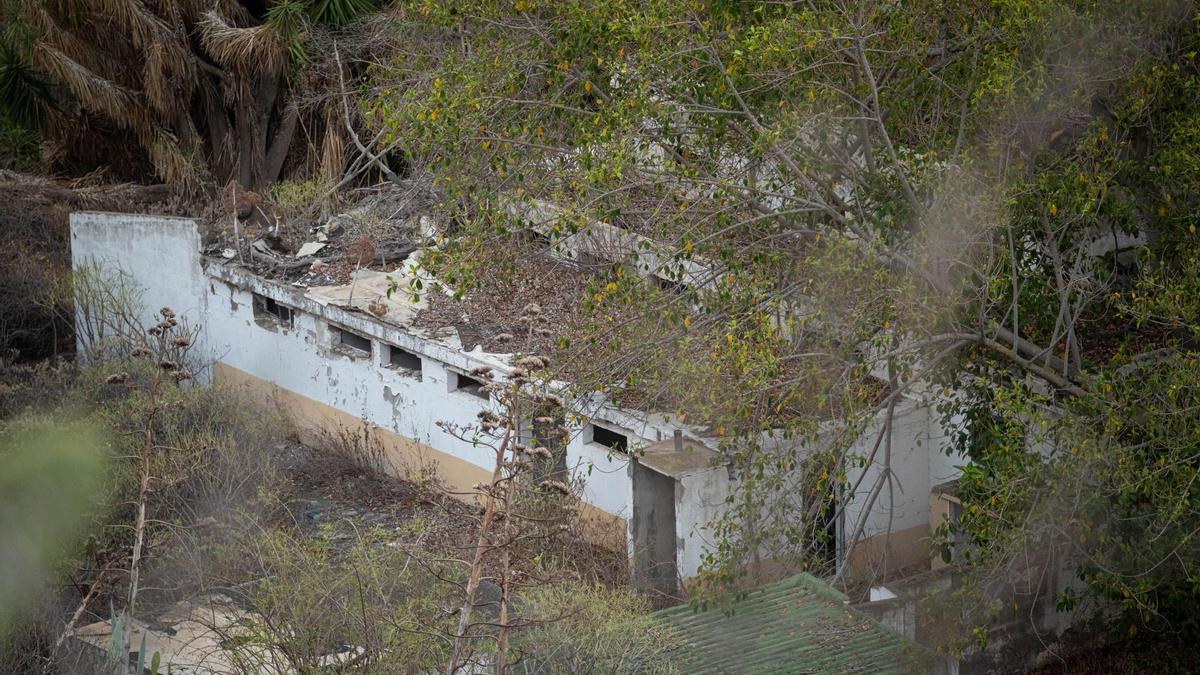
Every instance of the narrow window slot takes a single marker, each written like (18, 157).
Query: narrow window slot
(470, 385)
(267, 309)
(402, 359)
(609, 438)
(351, 343)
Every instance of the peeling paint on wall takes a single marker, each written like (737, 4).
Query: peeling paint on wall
(162, 254)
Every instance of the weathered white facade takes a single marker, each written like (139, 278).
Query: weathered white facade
(330, 364)
(896, 527)
(325, 384)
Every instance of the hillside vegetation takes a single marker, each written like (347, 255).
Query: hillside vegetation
(990, 203)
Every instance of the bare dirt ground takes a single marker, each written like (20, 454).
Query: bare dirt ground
(325, 490)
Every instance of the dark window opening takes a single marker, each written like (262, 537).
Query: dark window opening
(958, 539)
(826, 532)
(403, 359)
(470, 385)
(609, 438)
(351, 341)
(532, 236)
(669, 285)
(267, 308)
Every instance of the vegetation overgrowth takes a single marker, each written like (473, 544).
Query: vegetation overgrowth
(134, 491)
(990, 205)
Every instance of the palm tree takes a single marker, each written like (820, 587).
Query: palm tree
(208, 90)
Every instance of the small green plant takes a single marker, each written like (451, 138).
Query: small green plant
(289, 194)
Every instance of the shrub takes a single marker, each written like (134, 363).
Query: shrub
(289, 194)
(363, 602)
(209, 464)
(581, 628)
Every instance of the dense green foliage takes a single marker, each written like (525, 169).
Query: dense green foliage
(1105, 480)
(843, 201)
(997, 195)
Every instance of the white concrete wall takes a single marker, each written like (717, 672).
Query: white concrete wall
(160, 256)
(944, 463)
(608, 485)
(920, 461)
(903, 502)
(303, 361)
(699, 494)
(699, 500)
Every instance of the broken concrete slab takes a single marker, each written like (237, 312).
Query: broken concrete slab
(194, 639)
(310, 248)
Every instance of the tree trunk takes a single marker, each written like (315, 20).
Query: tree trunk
(266, 89)
(221, 153)
(280, 145)
(245, 132)
(482, 545)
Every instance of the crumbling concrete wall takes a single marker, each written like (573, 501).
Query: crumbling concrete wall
(897, 528)
(700, 490)
(699, 500)
(327, 390)
(306, 361)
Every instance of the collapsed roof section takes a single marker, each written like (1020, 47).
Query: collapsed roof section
(612, 244)
(383, 293)
(341, 264)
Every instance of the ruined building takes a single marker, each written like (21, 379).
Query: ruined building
(343, 355)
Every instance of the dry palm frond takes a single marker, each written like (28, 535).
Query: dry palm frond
(142, 26)
(53, 150)
(174, 14)
(333, 147)
(172, 164)
(77, 50)
(234, 10)
(94, 93)
(157, 82)
(252, 49)
(235, 90)
(30, 190)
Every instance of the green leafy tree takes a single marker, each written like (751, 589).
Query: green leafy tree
(845, 199)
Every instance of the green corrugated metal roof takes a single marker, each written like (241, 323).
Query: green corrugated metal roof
(798, 625)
